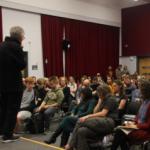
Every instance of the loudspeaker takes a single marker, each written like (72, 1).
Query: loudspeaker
(66, 45)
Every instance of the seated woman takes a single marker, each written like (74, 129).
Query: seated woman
(136, 93)
(110, 83)
(92, 127)
(73, 86)
(85, 107)
(40, 91)
(67, 96)
(120, 98)
(140, 129)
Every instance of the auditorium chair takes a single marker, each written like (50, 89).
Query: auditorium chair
(131, 111)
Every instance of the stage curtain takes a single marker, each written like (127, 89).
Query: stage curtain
(1, 35)
(93, 48)
(52, 35)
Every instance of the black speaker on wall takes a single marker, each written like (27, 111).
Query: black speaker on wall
(66, 45)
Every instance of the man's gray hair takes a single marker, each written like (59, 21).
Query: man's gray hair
(17, 32)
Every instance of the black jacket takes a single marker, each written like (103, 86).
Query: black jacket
(40, 94)
(11, 64)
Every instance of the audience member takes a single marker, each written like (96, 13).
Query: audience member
(94, 84)
(40, 91)
(110, 83)
(47, 88)
(120, 98)
(110, 72)
(136, 93)
(99, 124)
(119, 72)
(85, 83)
(138, 131)
(73, 86)
(125, 70)
(35, 81)
(89, 78)
(52, 101)
(84, 77)
(99, 78)
(85, 107)
(27, 103)
(67, 95)
(128, 86)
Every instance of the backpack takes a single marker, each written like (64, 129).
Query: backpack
(36, 124)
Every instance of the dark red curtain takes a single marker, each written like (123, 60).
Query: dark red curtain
(93, 48)
(108, 48)
(1, 35)
(52, 35)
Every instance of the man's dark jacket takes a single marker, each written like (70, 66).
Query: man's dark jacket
(11, 64)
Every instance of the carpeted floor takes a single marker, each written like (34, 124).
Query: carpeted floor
(30, 142)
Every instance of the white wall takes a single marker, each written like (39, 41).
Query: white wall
(32, 43)
(76, 9)
(131, 62)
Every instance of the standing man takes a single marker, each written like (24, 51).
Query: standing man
(11, 87)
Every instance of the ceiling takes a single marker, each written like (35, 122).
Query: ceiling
(117, 3)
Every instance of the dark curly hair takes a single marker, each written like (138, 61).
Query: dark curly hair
(119, 83)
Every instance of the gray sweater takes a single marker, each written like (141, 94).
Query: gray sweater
(27, 98)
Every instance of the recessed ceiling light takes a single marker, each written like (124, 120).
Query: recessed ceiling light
(135, 0)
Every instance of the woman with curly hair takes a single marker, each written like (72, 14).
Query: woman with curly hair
(138, 131)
